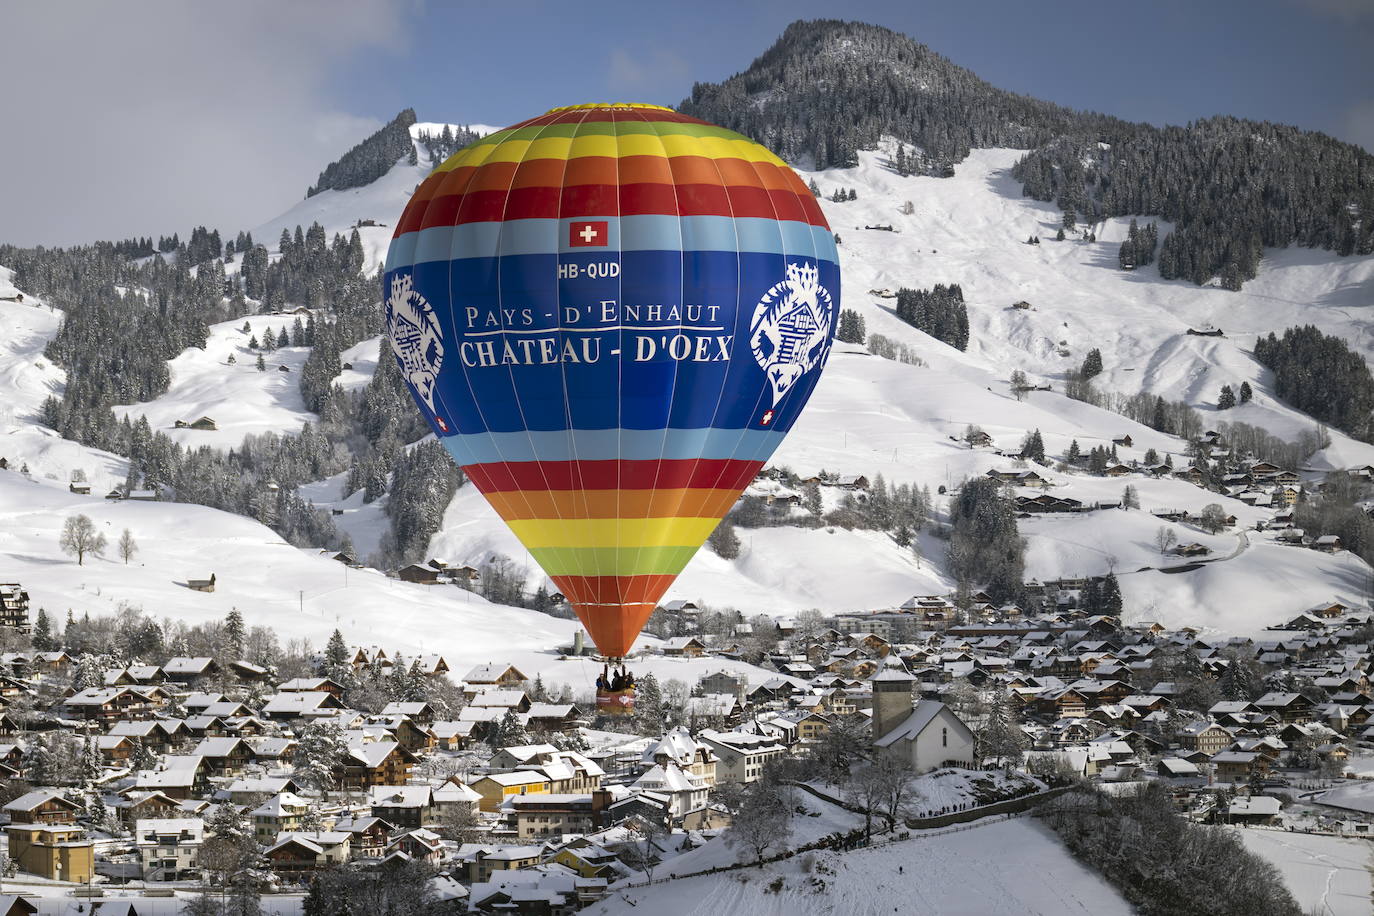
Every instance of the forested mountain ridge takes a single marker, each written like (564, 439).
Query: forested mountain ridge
(828, 88)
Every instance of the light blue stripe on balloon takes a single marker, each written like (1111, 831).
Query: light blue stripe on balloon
(629, 233)
(613, 444)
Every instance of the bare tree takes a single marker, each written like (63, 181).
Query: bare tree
(79, 538)
(1213, 518)
(652, 834)
(127, 546)
(899, 792)
(764, 819)
(1165, 538)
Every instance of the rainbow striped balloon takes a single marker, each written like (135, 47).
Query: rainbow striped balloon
(611, 315)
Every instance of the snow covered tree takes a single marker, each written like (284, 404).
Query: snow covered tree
(1213, 518)
(1227, 399)
(320, 753)
(1110, 601)
(852, 328)
(43, 640)
(261, 363)
(337, 663)
(235, 635)
(764, 819)
(650, 717)
(80, 537)
(127, 546)
(1092, 364)
(1001, 736)
(510, 731)
(724, 541)
(1130, 497)
(1074, 455)
(1033, 447)
(1246, 392)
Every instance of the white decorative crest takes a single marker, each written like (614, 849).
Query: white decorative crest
(415, 337)
(790, 330)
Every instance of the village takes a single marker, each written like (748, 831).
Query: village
(172, 774)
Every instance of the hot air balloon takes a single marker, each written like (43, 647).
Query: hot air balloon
(611, 315)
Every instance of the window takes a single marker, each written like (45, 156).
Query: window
(944, 737)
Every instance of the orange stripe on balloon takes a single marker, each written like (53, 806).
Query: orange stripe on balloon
(668, 503)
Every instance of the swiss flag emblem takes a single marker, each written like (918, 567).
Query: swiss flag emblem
(588, 234)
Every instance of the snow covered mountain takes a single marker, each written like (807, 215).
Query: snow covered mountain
(869, 416)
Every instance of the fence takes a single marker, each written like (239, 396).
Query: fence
(954, 822)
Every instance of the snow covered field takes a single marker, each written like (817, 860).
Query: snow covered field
(240, 399)
(1329, 875)
(994, 868)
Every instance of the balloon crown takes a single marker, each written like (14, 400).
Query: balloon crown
(608, 105)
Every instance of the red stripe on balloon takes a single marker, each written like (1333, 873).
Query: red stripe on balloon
(611, 474)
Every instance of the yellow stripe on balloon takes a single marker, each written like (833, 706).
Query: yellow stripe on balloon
(613, 532)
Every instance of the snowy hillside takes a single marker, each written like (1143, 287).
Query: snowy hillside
(995, 868)
(873, 416)
(380, 202)
(302, 594)
(26, 378)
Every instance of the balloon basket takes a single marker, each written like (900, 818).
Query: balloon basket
(616, 702)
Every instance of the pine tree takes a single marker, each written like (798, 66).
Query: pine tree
(262, 363)
(1092, 364)
(851, 329)
(724, 541)
(42, 633)
(1227, 399)
(336, 657)
(650, 716)
(510, 731)
(1033, 447)
(1074, 455)
(235, 635)
(1246, 393)
(1110, 597)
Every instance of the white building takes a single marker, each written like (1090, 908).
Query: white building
(928, 733)
(740, 756)
(169, 848)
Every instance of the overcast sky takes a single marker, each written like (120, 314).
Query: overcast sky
(144, 118)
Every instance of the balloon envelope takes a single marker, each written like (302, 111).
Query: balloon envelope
(611, 315)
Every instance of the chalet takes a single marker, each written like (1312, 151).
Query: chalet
(110, 703)
(423, 575)
(307, 684)
(141, 805)
(1207, 737)
(370, 835)
(495, 788)
(224, 756)
(1254, 809)
(1327, 543)
(201, 585)
(852, 482)
(1239, 766)
(1124, 441)
(81, 488)
(43, 806)
(1288, 707)
(184, 670)
(376, 763)
(1118, 470)
(282, 813)
(295, 855)
(308, 704)
(495, 674)
(684, 647)
(1019, 478)
(14, 606)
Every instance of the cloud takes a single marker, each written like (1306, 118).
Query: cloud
(1359, 125)
(146, 118)
(648, 75)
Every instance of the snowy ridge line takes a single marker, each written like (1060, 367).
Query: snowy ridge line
(971, 819)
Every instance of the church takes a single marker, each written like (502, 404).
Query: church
(928, 733)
